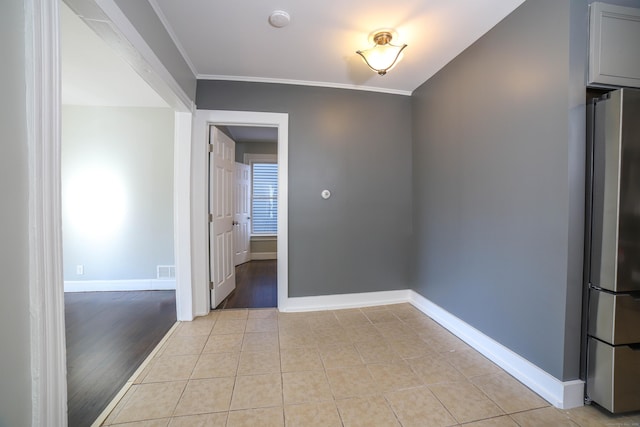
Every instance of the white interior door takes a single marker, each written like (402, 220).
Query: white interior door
(242, 214)
(221, 177)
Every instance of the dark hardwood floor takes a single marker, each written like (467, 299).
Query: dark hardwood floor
(256, 286)
(109, 334)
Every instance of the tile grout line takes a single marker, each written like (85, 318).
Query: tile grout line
(284, 415)
(173, 413)
(111, 406)
(235, 378)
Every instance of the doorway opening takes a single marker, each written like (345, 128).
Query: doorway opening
(118, 267)
(254, 225)
(209, 263)
(45, 250)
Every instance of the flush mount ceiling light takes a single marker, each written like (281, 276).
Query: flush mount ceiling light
(383, 55)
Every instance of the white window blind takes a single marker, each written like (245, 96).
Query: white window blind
(264, 198)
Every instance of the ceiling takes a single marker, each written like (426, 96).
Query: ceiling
(231, 39)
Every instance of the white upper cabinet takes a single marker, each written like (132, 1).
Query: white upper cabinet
(614, 45)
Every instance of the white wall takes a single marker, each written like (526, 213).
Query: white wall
(117, 192)
(15, 371)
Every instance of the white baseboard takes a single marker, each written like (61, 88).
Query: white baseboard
(263, 255)
(334, 302)
(561, 394)
(119, 285)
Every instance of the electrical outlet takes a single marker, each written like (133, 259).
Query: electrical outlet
(79, 269)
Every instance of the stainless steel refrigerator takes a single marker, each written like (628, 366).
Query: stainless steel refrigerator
(613, 253)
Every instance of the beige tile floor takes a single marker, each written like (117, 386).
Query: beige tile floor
(378, 366)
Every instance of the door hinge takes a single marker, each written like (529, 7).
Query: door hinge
(210, 217)
(211, 148)
(210, 285)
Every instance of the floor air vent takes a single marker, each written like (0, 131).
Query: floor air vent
(166, 271)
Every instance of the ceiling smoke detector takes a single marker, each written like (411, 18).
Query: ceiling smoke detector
(279, 18)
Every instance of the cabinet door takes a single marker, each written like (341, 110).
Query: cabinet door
(614, 57)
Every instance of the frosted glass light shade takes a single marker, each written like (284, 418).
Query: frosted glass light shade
(383, 55)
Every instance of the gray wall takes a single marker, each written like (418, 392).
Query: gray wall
(135, 144)
(498, 164)
(144, 18)
(254, 148)
(262, 246)
(15, 369)
(356, 144)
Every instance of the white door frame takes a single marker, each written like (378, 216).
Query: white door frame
(182, 216)
(203, 119)
(43, 109)
(46, 289)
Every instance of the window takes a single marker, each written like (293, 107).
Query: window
(264, 198)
